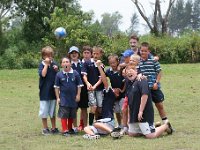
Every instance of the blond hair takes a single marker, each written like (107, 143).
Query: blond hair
(135, 57)
(46, 51)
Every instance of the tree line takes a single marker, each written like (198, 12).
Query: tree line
(26, 26)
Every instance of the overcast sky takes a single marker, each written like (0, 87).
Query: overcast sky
(125, 7)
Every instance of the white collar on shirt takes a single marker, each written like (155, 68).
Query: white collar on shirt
(71, 71)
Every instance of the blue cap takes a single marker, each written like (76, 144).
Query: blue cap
(73, 48)
(127, 53)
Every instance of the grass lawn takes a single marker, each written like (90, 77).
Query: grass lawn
(20, 127)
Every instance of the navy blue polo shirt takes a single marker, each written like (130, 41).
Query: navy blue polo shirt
(68, 84)
(108, 103)
(91, 70)
(150, 68)
(46, 84)
(116, 79)
(135, 90)
(77, 66)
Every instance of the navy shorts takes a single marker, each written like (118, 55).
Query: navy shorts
(66, 112)
(83, 103)
(157, 96)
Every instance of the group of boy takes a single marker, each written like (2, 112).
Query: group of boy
(135, 82)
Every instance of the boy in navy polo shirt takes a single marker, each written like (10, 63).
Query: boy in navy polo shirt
(118, 85)
(67, 88)
(47, 71)
(105, 125)
(141, 121)
(152, 70)
(94, 84)
(76, 64)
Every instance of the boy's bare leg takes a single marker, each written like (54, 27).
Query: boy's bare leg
(162, 113)
(53, 122)
(119, 118)
(102, 126)
(88, 130)
(84, 116)
(44, 123)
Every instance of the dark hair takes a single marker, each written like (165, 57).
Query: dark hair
(98, 48)
(87, 48)
(115, 56)
(145, 44)
(64, 58)
(135, 37)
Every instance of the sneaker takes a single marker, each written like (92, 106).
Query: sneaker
(71, 131)
(124, 131)
(169, 130)
(115, 134)
(66, 134)
(55, 131)
(75, 130)
(91, 137)
(46, 131)
(158, 124)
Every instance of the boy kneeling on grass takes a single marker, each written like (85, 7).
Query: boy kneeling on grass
(105, 125)
(141, 113)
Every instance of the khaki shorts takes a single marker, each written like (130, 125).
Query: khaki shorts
(95, 98)
(47, 108)
(106, 121)
(118, 106)
(142, 128)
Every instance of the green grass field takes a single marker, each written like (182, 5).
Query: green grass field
(20, 127)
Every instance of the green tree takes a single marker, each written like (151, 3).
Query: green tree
(110, 23)
(34, 12)
(196, 15)
(7, 9)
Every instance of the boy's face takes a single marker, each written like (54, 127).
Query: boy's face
(126, 60)
(133, 61)
(113, 63)
(74, 55)
(96, 55)
(87, 55)
(49, 55)
(131, 74)
(133, 43)
(144, 52)
(66, 65)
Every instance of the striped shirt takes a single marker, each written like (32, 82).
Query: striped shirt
(150, 68)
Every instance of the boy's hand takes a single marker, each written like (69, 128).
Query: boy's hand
(77, 98)
(155, 86)
(55, 68)
(116, 92)
(98, 63)
(140, 116)
(58, 101)
(140, 77)
(47, 61)
(89, 87)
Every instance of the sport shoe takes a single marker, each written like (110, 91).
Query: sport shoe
(91, 137)
(124, 131)
(71, 131)
(158, 124)
(46, 131)
(55, 131)
(115, 135)
(169, 130)
(66, 134)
